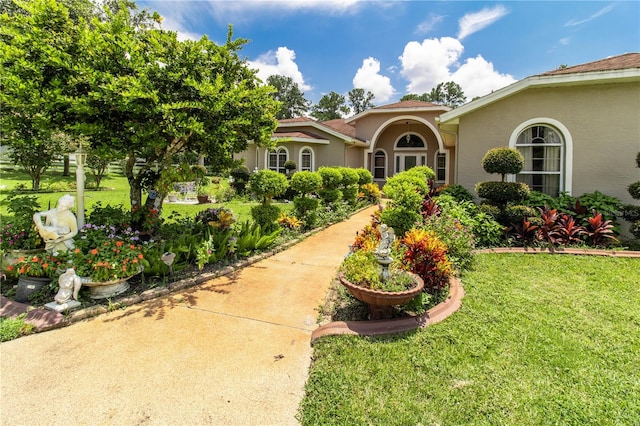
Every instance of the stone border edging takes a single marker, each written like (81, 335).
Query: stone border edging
(560, 250)
(398, 325)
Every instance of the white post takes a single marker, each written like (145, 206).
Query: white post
(80, 157)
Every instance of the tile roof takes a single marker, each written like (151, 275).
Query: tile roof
(340, 126)
(296, 134)
(620, 62)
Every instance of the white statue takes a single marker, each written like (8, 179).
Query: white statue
(70, 285)
(60, 225)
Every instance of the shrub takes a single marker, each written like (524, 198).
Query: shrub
(364, 176)
(490, 209)
(110, 215)
(425, 254)
(423, 172)
(306, 182)
(349, 176)
(487, 231)
(265, 215)
(289, 222)
(515, 213)
(634, 190)
(458, 192)
(330, 195)
(502, 192)
(400, 219)
(457, 236)
(406, 190)
(537, 199)
(267, 184)
(503, 161)
(240, 177)
(605, 204)
(635, 229)
(331, 177)
(290, 165)
(370, 193)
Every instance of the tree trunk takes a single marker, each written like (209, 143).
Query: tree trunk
(66, 162)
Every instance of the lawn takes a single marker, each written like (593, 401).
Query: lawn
(115, 191)
(540, 339)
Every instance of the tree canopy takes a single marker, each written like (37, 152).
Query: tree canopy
(289, 94)
(130, 86)
(360, 101)
(330, 107)
(449, 94)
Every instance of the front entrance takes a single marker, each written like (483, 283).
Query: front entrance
(407, 160)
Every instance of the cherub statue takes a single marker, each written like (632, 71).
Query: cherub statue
(60, 225)
(70, 285)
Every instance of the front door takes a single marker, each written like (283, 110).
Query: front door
(408, 160)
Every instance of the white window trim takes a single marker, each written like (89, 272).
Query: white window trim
(313, 158)
(276, 149)
(424, 142)
(408, 153)
(373, 163)
(447, 156)
(566, 167)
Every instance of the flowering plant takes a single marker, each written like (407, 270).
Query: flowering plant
(40, 265)
(20, 233)
(104, 254)
(221, 218)
(145, 218)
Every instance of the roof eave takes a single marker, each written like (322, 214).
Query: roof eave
(395, 111)
(595, 77)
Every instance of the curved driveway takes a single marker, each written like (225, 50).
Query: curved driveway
(233, 351)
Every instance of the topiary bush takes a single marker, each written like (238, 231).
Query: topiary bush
(502, 192)
(424, 172)
(503, 161)
(306, 182)
(331, 177)
(267, 184)
(240, 177)
(400, 219)
(349, 185)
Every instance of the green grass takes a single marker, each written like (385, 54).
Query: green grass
(12, 328)
(115, 192)
(539, 340)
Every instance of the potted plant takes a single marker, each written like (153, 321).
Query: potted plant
(361, 274)
(106, 259)
(203, 195)
(34, 272)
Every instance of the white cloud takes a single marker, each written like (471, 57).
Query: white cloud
(477, 77)
(573, 22)
(429, 24)
(435, 61)
(565, 41)
(426, 64)
(474, 22)
(247, 10)
(171, 24)
(280, 62)
(368, 77)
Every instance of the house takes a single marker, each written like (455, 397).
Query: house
(578, 128)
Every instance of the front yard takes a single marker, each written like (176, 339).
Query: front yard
(540, 339)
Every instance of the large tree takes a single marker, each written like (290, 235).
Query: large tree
(449, 94)
(134, 88)
(289, 94)
(330, 107)
(360, 101)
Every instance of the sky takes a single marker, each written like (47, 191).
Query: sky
(392, 48)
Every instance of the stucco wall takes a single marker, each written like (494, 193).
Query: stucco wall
(603, 121)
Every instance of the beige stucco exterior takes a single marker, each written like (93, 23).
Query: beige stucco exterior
(595, 108)
(599, 123)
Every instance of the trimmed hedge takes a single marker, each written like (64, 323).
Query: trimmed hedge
(502, 192)
(503, 161)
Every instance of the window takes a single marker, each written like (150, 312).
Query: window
(379, 165)
(543, 150)
(441, 167)
(306, 159)
(410, 141)
(277, 158)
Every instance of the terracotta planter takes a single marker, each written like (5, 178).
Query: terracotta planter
(28, 285)
(381, 302)
(203, 199)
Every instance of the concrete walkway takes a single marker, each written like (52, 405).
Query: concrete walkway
(233, 351)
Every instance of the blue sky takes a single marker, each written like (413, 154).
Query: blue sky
(392, 48)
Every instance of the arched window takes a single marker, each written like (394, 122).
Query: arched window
(277, 158)
(543, 150)
(306, 159)
(410, 141)
(379, 164)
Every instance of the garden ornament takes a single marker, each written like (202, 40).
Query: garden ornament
(67, 297)
(59, 227)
